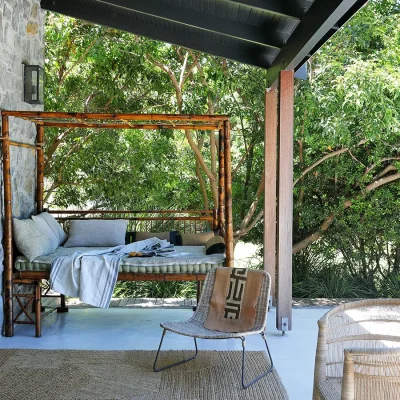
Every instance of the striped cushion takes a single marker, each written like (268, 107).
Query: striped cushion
(30, 240)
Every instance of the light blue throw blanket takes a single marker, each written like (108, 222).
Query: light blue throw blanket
(92, 275)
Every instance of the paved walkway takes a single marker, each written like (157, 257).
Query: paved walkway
(49, 302)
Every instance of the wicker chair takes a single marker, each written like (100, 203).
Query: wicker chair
(358, 352)
(194, 327)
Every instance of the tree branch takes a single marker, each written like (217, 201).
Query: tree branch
(172, 76)
(75, 63)
(320, 161)
(324, 158)
(331, 217)
(373, 166)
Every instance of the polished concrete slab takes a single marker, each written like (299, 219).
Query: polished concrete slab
(126, 328)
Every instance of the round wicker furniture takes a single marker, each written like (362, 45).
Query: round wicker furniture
(358, 352)
(194, 327)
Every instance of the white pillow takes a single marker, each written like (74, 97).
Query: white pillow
(96, 233)
(30, 240)
(45, 228)
(55, 227)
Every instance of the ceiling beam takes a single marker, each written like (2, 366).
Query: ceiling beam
(288, 8)
(265, 36)
(310, 31)
(252, 54)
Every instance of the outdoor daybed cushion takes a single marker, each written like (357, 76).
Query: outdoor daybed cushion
(97, 233)
(32, 240)
(197, 262)
(194, 239)
(170, 236)
(54, 226)
(38, 235)
(216, 244)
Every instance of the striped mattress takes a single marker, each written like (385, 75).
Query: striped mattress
(196, 262)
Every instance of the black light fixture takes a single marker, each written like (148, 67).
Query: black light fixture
(33, 84)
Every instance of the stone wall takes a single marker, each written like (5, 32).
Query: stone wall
(21, 42)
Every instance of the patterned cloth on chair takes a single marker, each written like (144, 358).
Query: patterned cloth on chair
(196, 325)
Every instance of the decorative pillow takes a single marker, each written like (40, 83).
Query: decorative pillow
(215, 245)
(55, 227)
(30, 240)
(170, 236)
(96, 233)
(147, 235)
(44, 226)
(195, 239)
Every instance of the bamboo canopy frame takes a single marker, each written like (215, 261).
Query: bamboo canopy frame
(222, 219)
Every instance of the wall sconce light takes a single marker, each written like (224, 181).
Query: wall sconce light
(33, 84)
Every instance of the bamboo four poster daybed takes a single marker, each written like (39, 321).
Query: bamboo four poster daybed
(220, 218)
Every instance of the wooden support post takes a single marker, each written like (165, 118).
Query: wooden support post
(285, 201)
(8, 257)
(270, 158)
(228, 197)
(40, 169)
(221, 183)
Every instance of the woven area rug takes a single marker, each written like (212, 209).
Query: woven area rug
(81, 374)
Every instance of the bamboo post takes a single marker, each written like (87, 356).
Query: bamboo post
(285, 201)
(228, 197)
(270, 149)
(8, 256)
(40, 168)
(215, 219)
(221, 185)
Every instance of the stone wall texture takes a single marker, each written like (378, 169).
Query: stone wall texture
(21, 42)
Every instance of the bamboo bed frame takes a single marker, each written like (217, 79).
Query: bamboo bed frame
(220, 218)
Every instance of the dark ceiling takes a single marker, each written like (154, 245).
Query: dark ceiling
(272, 34)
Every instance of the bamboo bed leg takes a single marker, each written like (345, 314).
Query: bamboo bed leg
(38, 309)
(63, 308)
(221, 186)
(8, 283)
(228, 197)
(198, 294)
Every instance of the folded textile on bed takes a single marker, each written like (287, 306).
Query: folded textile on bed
(155, 249)
(92, 275)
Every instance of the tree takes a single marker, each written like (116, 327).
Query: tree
(102, 69)
(346, 125)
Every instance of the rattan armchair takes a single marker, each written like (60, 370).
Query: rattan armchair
(194, 327)
(358, 352)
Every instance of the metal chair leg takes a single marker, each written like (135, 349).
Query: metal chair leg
(155, 369)
(245, 386)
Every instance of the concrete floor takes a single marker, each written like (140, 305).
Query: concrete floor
(121, 329)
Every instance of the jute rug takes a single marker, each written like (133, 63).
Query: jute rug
(77, 374)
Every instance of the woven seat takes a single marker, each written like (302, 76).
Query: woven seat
(358, 352)
(194, 327)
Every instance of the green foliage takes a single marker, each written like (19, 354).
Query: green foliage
(347, 131)
(156, 289)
